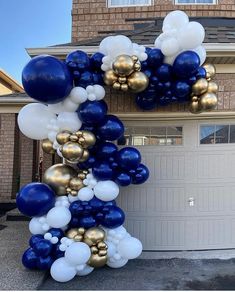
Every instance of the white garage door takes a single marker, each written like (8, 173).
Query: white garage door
(188, 203)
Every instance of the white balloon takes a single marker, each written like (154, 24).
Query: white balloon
(33, 120)
(191, 36)
(52, 136)
(111, 249)
(86, 271)
(58, 217)
(105, 43)
(130, 248)
(170, 46)
(170, 59)
(175, 20)
(69, 105)
(106, 190)
(35, 227)
(117, 264)
(77, 253)
(69, 121)
(78, 95)
(61, 271)
(56, 108)
(201, 51)
(85, 194)
(99, 91)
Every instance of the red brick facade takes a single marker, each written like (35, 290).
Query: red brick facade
(91, 18)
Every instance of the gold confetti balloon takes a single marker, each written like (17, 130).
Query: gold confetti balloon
(58, 177)
(123, 65)
(63, 137)
(200, 86)
(72, 151)
(110, 77)
(138, 81)
(212, 87)
(210, 71)
(208, 101)
(94, 235)
(47, 146)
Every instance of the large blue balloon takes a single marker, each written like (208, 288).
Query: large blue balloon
(86, 78)
(113, 217)
(92, 112)
(128, 158)
(106, 151)
(47, 79)
(155, 57)
(42, 247)
(78, 60)
(186, 64)
(102, 171)
(29, 259)
(181, 89)
(111, 129)
(35, 199)
(142, 174)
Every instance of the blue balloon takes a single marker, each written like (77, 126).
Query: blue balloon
(96, 204)
(34, 239)
(89, 163)
(42, 248)
(181, 89)
(155, 57)
(113, 217)
(164, 73)
(92, 112)
(56, 252)
(128, 158)
(106, 151)
(80, 208)
(44, 263)
(201, 73)
(85, 79)
(123, 179)
(74, 222)
(142, 174)
(78, 60)
(144, 65)
(102, 171)
(110, 203)
(96, 61)
(35, 199)
(98, 78)
(29, 259)
(146, 102)
(191, 80)
(56, 232)
(87, 222)
(148, 72)
(111, 129)
(186, 64)
(47, 79)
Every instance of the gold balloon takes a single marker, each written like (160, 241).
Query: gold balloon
(94, 235)
(47, 146)
(116, 86)
(124, 87)
(97, 261)
(58, 177)
(200, 86)
(110, 77)
(76, 184)
(137, 67)
(89, 139)
(72, 151)
(85, 156)
(134, 58)
(195, 98)
(195, 107)
(208, 101)
(138, 81)
(122, 80)
(212, 87)
(63, 137)
(76, 234)
(73, 138)
(123, 65)
(210, 71)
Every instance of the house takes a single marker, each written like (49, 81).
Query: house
(8, 85)
(189, 201)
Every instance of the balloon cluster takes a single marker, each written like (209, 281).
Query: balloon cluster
(204, 92)
(125, 74)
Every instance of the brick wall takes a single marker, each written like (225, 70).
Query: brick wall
(91, 17)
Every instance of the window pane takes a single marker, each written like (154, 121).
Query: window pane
(195, 1)
(207, 134)
(158, 136)
(221, 134)
(185, 1)
(174, 135)
(232, 134)
(129, 2)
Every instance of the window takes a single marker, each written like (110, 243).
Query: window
(123, 3)
(161, 136)
(217, 134)
(193, 2)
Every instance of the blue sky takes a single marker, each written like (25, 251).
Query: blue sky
(29, 24)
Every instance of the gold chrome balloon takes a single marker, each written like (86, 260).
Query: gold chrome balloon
(97, 261)
(137, 67)
(122, 80)
(123, 65)
(110, 77)
(212, 87)
(116, 86)
(76, 234)
(134, 58)
(85, 156)
(88, 140)
(94, 235)
(138, 81)
(200, 86)
(208, 101)
(47, 146)
(58, 177)
(76, 184)
(210, 71)
(63, 137)
(72, 151)
(195, 98)
(124, 87)
(195, 107)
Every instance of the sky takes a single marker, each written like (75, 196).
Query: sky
(31, 24)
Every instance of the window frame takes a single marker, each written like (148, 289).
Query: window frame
(175, 2)
(108, 4)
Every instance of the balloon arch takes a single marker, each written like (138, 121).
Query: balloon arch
(76, 224)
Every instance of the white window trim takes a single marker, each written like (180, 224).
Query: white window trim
(108, 4)
(177, 3)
